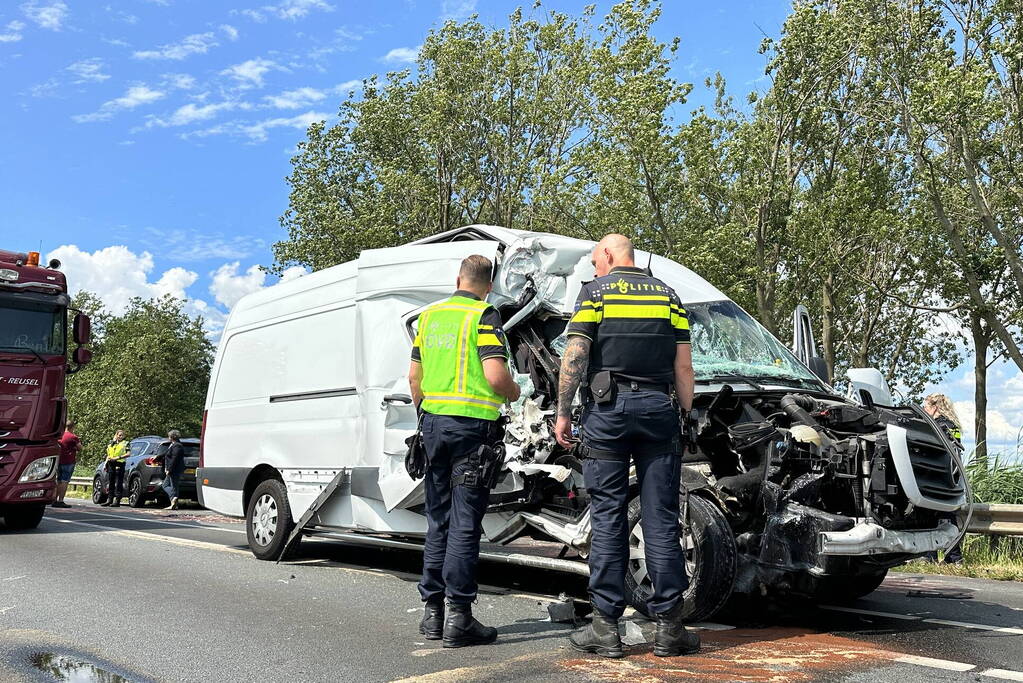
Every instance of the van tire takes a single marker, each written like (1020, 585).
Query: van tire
(98, 497)
(713, 556)
(23, 517)
(268, 521)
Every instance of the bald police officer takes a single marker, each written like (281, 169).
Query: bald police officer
(459, 378)
(628, 343)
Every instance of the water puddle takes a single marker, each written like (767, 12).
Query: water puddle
(72, 669)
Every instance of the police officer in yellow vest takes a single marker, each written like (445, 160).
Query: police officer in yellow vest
(117, 451)
(459, 378)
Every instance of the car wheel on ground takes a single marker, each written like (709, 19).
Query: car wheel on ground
(22, 517)
(98, 496)
(849, 588)
(268, 521)
(710, 557)
(136, 492)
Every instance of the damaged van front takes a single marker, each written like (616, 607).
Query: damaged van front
(791, 487)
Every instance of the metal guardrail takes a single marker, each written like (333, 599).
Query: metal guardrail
(992, 519)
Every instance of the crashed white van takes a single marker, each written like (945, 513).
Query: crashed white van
(792, 488)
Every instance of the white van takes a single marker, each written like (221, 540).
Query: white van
(792, 486)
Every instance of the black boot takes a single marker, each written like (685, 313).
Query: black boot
(672, 638)
(432, 625)
(461, 629)
(600, 636)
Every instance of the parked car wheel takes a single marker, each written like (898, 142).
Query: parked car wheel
(710, 558)
(22, 517)
(98, 496)
(136, 492)
(268, 521)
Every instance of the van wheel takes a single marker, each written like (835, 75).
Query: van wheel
(136, 496)
(268, 521)
(843, 589)
(23, 517)
(98, 496)
(710, 558)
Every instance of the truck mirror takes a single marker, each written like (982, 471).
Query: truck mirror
(819, 367)
(82, 329)
(82, 356)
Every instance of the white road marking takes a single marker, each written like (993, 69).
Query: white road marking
(927, 620)
(94, 515)
(154, 537)
(945, 664)
(1004, 674)
(15, 578)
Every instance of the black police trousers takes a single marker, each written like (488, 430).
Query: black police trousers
(645, 426)
(454, 514)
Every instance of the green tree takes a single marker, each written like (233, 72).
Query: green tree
(149, 373)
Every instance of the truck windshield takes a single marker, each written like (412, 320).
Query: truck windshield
(27, 325)
(727, 342)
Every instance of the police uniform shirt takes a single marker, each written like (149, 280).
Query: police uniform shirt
(491, 341)
(635, 323)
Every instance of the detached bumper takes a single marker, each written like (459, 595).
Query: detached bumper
(867, 538)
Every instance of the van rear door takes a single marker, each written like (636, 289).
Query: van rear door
(393, 286)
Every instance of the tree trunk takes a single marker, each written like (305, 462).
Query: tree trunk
(828, 322)
(981, 341)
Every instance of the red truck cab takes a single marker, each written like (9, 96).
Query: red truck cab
(34, 304)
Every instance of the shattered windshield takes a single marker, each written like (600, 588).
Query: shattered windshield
(728, 342)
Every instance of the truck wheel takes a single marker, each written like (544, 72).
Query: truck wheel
(849, 588)
(268, 521)
(136, 493)
(22, 517)
(710, 558)
(98, 496)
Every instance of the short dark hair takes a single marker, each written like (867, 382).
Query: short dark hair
(477, 270)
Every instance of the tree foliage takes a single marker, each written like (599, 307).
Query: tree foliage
(149, 373)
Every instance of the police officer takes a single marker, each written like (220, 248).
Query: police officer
(628, 344)
(939, 407)
(459, 378)
(117, 452)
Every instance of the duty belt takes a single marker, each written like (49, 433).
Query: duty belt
(632, 385)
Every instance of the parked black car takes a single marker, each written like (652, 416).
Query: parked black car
(143, 474)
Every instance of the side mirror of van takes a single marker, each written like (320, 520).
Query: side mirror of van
(82, 329)
(819, 367)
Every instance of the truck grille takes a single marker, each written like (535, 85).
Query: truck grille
(937, 475)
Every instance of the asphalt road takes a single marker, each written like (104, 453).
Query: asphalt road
(175, 596)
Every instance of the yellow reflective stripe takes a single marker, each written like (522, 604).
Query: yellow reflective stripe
(636, 297)
(594, 304)
(626, 311)
(486, 327)
(456, 398)
(679, 322)
(454, 307)
(488, 340)
(585, 315)
(463, 339)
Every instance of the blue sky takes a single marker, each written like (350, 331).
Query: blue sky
(145, 142)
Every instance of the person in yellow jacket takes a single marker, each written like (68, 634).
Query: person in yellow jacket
(459, 379)
(117, 452)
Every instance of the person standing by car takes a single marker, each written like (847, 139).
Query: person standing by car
(70, 445)
(940, 407)
(174, 467)
(459, 378)
(629, 340)
(117, 452)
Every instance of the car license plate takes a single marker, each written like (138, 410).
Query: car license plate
(190, 470)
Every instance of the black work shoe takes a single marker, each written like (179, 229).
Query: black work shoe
(106, 504)
(116, 503)
(672, 638)
(600, 636)
(432, 625)
(461, 629)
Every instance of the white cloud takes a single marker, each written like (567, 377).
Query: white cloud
(195, 44)
(286, 9)
(230, 31)
(136, 96)
(48, 15)
(228, 287)
(402, 55)
(89, 70)
(178, 81)
(303, 97)
(258, 131)
(13, 33)
(457, 9)
(190, 113)
(249, 74)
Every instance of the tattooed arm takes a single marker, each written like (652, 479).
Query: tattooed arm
(574, 363)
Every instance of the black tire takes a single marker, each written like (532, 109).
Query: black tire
(23, 517)
(268, 521)
(710, 560)
(98, 497)
(844, 589)
(136, 492)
